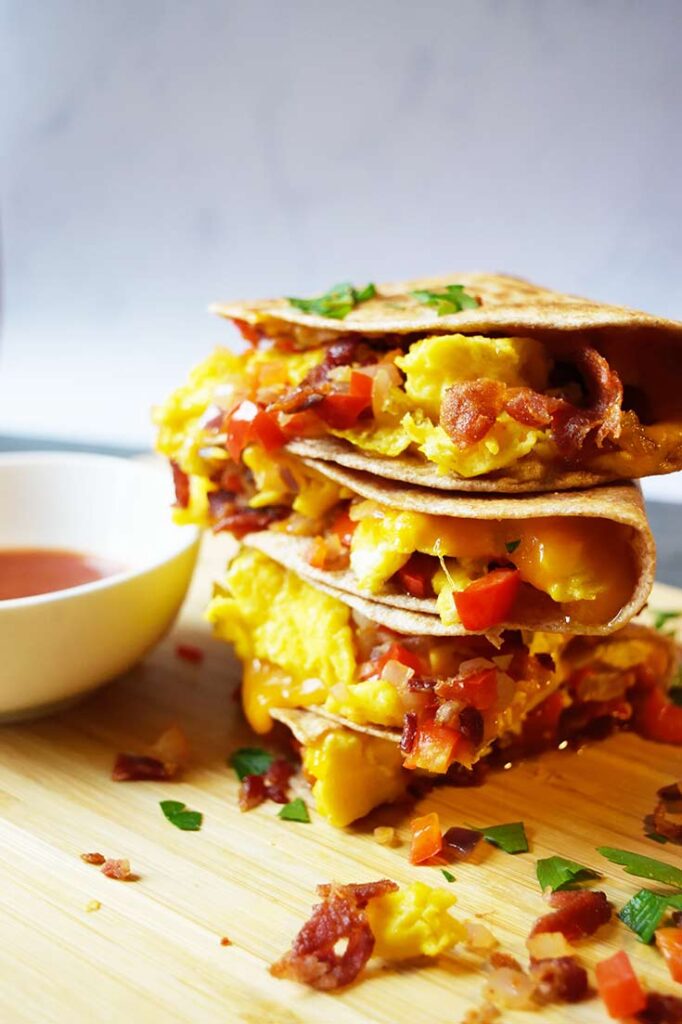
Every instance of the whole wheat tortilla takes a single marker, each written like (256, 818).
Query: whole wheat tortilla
(507, 304)
(413, 469)
(407, 614)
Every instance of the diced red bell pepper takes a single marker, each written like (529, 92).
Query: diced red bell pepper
(397, 652)
(361, 385)
(249, 424)
(302, 424)
(416, 575)
(344, 528)
(658, 718)
(427, 840)
(249, 332)
(618, 986)
(434, 748)
(479, 689)
(488, 601)
(340, 411)
(669, 941)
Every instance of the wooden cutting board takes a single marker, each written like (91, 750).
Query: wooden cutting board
(152, 952)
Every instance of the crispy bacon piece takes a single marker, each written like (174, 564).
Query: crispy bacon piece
(239, 522)
(660, 1009)
(315, 385)
(119, 869)
(468, 410)
(571, 426)
(312, 958)
(181, 485)
(559, 980)
(251, 792)
(141, 768)
(667, 816)
(273, 785)
(93, 858)
(576, 913)
(532, 408)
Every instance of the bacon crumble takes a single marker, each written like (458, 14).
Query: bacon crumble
(141, 768)
(313, 959)
(559, 980)
(576, 913)
(272, 784)
(118, 869)
(667, 815)
(93, 858)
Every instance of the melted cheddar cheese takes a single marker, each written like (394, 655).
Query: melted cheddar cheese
(584, 564)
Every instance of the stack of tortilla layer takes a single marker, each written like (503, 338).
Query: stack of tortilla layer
(441, 551)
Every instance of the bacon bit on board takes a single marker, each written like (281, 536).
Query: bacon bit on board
(181, 486)
(660, 1009)
(119, 869)
(312, 959)
(273, 785)
(576, 913)
(667, 816)
(93, 858)
(225, 941)
(559, 980)
(141, 768)
(189, 652)
(485, 1014)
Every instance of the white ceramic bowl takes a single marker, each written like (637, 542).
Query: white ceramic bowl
(55, 647)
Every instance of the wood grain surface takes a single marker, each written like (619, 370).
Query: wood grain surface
(152, 951)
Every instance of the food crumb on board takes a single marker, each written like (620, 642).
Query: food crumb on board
(385, 835)
(92, 905)
(189, 652)
(93, 858)
(225, 941)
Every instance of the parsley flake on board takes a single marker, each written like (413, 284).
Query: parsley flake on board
(643, 867)
(512, 545)
(296, 810)
(558, 873)
(179, 815)
(447, 875)
(337, 302)
(250, 761)
(511, 837)
(645, 911)
(451, 299)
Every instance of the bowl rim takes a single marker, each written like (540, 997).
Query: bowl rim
(188, 534)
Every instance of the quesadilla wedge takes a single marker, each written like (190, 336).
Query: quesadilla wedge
(375, 706)
(474, 382)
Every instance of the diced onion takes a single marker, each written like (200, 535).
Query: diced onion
(448, 713)
(510, 988)
(479, 938)
(385, 835)
(396, 673)
(473, 665)
(503, 661)
(549, 946)
(385, 377)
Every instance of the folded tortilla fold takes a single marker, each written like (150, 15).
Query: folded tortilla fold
(507, 304)
(620, 505)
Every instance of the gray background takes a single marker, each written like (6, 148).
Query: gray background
(158, 154)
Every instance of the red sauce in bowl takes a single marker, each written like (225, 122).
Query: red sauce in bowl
(25, 572)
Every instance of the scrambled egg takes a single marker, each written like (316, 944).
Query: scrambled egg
(285, 480)
(585, 564)
(353, 773)
(433, 364)
(271, 615)
(414, 921)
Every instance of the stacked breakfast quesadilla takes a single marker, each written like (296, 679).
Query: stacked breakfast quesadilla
(441, 546)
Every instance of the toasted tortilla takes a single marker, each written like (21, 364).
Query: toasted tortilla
(507, 304)
(407, 614)
(416, 470)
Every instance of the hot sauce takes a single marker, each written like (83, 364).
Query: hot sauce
(25, 572)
